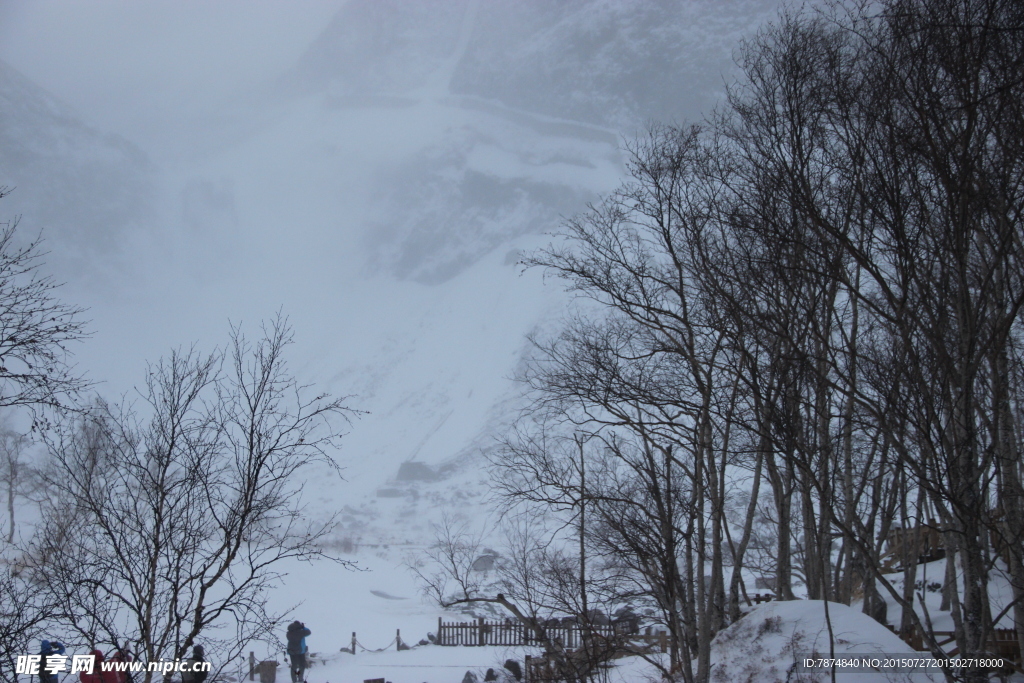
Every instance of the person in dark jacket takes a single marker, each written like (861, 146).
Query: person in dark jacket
(97, 675)
(192, 673)
(47, 649)
(297, 650)
(120, 654)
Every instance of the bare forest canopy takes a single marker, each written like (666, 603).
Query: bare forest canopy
(798, 348)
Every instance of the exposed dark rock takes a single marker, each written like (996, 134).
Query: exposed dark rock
(416, 471)
(512, 666)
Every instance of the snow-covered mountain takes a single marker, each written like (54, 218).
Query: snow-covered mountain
(87, 188)
(613, 63)
(379, 191)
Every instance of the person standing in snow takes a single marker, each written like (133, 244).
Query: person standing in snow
(297, 649)
(120, 654)
(97, 675)
(46, 650)
(191, 673)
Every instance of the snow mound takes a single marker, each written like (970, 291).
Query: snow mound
(763, 646)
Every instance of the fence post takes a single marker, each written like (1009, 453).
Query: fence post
(440, 631)
(526, 669)
(353, 642)
(252, 666)
(480, 630)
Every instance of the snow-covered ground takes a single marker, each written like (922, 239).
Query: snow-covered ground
(765, 645)
(929, 580)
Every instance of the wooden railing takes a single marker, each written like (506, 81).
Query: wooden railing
(508, 632)
(512, 632)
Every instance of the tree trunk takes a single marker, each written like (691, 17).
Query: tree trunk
(748, 525)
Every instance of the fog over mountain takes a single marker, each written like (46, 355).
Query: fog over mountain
(377, 182)
(613, 63)
(88, 187)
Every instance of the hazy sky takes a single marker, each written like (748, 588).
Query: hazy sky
(125, 65)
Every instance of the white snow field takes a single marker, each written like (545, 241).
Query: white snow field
(762, 647)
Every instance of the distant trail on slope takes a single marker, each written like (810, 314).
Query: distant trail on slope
(465, 31)
(423, 441)
(438, 84)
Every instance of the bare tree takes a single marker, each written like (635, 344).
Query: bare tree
(823, 286)
(24, 614)
(897, 138)
(14, 471)
(36, 328)
(535, 581)
(170, 519)
(36, 333)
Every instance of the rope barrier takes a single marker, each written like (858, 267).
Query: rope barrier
(396, 641)
(366, 649)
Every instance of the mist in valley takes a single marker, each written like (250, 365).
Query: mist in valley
(374, 170)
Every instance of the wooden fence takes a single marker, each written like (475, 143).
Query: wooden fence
(513, 632)
(509, 632)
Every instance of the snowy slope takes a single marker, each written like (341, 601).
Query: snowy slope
(85, 189)
(615, 63)
(930, 576)
(380, 193)
(764, 645)
(383, 209)
(392, 243)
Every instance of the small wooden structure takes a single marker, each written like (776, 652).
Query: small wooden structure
(267, 669)
(923, 540)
